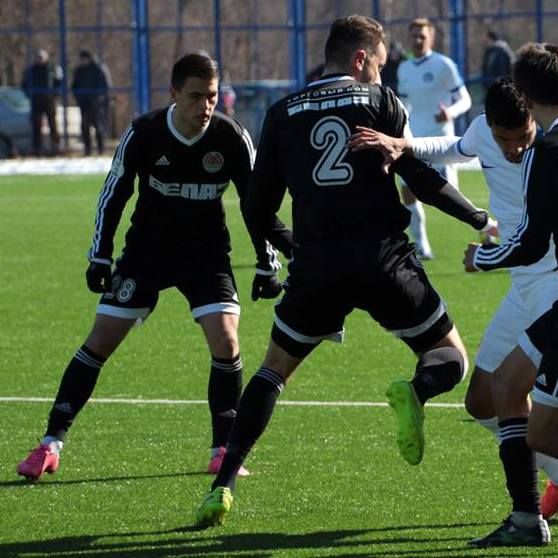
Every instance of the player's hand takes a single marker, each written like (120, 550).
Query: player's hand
(469, 256)
(99, 277)
(367, 138)
(489, 233)
(266, 286)
(443, 114)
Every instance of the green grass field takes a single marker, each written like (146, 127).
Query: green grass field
(327, 478)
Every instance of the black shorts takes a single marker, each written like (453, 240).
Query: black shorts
(206, 282)
(543, 334)
(391, 286)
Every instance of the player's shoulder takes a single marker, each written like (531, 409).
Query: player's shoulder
(479, 124)
(441, 59)
(548, 143)
(229, 132)
(150, 121)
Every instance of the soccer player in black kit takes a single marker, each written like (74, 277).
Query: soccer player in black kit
(350, 247)
(184, 157)
(525, 430)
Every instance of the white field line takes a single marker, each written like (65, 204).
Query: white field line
(125, 401)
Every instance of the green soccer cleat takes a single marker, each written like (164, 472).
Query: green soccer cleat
(215, 507)
(509, 534)
(410, 416)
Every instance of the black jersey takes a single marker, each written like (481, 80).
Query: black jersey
(179, 210)
(539, 222)
(339, 196)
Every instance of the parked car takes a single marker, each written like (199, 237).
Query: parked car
(15, 125)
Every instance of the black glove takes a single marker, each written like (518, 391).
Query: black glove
(99, 277)
(265, 286)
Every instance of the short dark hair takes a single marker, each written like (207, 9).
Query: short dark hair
(193, 65)
(535, 72)
(351, 33)
(492, 35)
(505, 105)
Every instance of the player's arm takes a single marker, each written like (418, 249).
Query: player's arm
(461, 100)
(116, 191)
(268, 234)
(440, 150)
(425, 182)
(431, 188)
(531, 239)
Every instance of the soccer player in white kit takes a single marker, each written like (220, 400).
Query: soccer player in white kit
(499, 139)
(433, 92)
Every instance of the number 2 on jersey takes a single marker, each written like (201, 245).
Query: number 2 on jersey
(330, 135)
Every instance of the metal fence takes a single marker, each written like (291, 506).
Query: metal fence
(265, 48)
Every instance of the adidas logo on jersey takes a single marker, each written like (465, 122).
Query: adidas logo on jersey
(541, 380)
(162, 160)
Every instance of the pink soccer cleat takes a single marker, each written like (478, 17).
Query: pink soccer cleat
(42, 459)
(549, 500)
(217, 460)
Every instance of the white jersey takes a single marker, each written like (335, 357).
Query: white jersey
(503, 179)
(425, 83)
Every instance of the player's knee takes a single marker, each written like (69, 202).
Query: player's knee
(226, 346)
(478, 404)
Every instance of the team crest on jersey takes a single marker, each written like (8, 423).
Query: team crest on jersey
(428, 77)
(213, 161)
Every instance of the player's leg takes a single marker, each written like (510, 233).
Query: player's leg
(117, 312)
(540, 291)
(478, 401)
(254, 413)
(401, 298)
(77, 385)
(542, 337)
(511, 384)
(225, 381)
(500, 338)
(304, 317)
(417, 224)
(211, 292)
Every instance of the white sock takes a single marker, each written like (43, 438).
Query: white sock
(491, 424)
(418, 227)
(55, 444)
(549, 465)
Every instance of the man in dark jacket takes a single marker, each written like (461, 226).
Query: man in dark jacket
(40, 83)
(90, 89)
(497, 59)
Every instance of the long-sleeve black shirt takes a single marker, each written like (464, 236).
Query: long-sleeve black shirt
(179, 211)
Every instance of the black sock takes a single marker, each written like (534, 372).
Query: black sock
(254, 412)
(75, 389)
(438, 370)
(223, 394)
(519, 465)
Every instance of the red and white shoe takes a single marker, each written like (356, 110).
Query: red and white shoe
(549, 500)
(217, 460)
(43, 459)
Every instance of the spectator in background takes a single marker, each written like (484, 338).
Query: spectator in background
(41, 82)
(396, 55)
(497, 59)
(90, 89)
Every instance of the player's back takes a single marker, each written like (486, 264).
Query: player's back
(336, 193)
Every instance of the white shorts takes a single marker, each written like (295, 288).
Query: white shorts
(529, 297)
